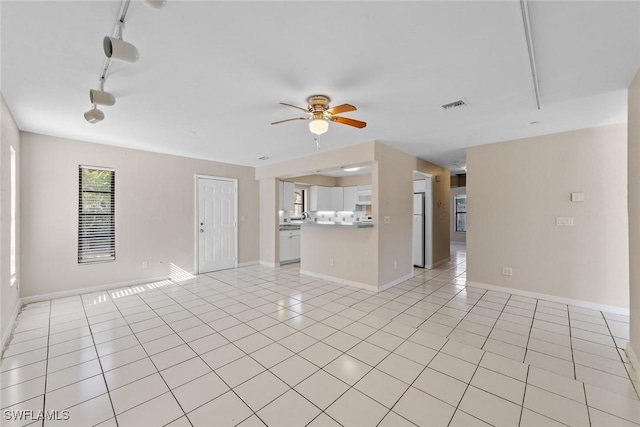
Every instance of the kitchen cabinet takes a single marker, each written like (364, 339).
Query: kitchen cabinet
(320, 198)
(287, 199)
(364, 195)
(289, 245)
(337, 199)
(350, 198)
(289, 196)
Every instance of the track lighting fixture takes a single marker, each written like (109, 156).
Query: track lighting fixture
(94, 115)
(100, 97)
(119, 49)
(115, 48)
(155, 4)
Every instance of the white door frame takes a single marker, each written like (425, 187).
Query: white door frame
(195, 216)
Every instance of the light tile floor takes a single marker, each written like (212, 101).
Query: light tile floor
(257, 346)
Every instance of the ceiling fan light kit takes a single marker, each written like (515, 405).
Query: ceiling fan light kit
(114, 48)
(320, 114)
(318, 126)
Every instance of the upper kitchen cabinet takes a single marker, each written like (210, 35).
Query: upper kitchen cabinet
(320, 198)
(350, 198)
(287, 196)
(337, 199)
(364, 195)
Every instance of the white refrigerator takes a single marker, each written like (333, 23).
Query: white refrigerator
(418, 230)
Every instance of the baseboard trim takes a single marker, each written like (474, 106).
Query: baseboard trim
(268, 264)
(395, 282)
(635, 364)
(340, 280)
(247, 264)
(552, 298)
(442, 261)
(81, 291)
(12, 323)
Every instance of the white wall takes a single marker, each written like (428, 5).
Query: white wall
(9, 295)
(515, 191)
(634, 213)
(456, 236)
(155, 214)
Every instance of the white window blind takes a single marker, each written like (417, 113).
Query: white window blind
(96, 215)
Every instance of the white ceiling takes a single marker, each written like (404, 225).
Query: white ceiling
(211, 74)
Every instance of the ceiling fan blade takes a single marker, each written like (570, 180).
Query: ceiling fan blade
(351, 122)
(293, 106)
(344, 108)
(289, 120)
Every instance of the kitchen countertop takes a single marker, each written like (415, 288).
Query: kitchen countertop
(340, 224)
(289, 226)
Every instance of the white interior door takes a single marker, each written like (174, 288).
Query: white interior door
(217, 224)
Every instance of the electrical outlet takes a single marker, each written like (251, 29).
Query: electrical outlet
(395, 265)
(564, 221)
(507, 271)
(145, 264)
(331, 263)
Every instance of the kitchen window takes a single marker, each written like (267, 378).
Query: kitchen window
(96, 215)
(298, 203)
(461, 213)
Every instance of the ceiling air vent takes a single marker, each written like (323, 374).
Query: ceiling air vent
(456, 104)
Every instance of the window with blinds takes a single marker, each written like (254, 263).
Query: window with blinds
(96, 215)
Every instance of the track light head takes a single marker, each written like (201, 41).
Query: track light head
(101, 97)
(119, 49)
(94, 115)
(155, 4)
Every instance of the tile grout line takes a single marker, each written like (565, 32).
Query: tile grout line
(524, 395)
(573, 361)
(46, 371)
(526, 347)
(467, 389)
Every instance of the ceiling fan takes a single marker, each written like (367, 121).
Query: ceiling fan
(320, 114)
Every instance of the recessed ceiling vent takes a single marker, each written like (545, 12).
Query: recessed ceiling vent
(456, 104)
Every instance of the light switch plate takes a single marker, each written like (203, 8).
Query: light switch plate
(577, 197)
